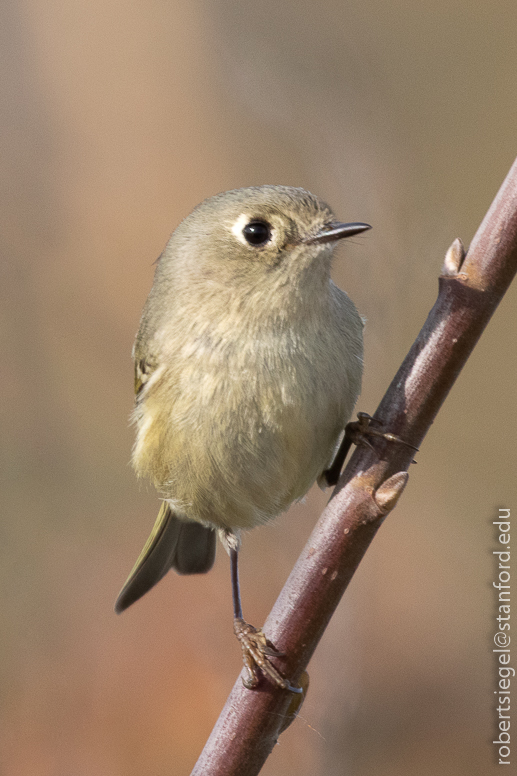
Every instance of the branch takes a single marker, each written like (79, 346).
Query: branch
(470, 288)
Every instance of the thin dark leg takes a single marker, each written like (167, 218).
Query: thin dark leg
(236, 593)
(334, 470)
(255, 647)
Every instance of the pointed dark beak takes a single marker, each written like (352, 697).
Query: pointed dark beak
(336, 231)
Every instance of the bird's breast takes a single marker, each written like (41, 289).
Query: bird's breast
(236, 428)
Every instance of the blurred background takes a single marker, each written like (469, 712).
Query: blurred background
(117, 118)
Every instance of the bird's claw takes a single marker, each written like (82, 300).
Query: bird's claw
(255, 651)
(359, 431)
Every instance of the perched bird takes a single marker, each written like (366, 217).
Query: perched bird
(248, 364)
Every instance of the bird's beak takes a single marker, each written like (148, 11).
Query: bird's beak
(336, 231)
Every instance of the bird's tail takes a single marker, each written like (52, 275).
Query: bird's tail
(187, 547)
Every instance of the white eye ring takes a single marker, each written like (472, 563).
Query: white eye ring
(238, 226)
(244, 220)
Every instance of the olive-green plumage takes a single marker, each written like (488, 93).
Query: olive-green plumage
(248, 364)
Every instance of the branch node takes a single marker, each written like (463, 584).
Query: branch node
(296, 702)
(387, 495)
(454, 258)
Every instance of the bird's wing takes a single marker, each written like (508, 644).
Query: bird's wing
(144, 368)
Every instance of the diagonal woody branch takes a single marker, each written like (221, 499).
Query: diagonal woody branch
(470, 288)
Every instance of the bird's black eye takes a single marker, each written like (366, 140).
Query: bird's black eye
(257, 232)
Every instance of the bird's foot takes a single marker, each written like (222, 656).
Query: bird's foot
(255, 651)
(358, 432)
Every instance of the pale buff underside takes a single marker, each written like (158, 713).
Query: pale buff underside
(231, 437)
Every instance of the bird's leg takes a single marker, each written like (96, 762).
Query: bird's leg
(255, 648)
(357, 433)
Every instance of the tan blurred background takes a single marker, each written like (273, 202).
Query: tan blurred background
(117, 117)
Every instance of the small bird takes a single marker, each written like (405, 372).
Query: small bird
(248, 364)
